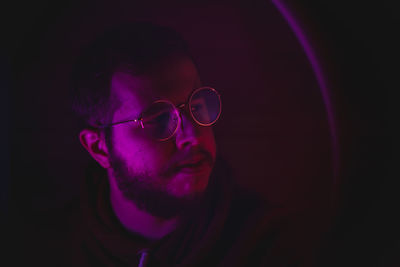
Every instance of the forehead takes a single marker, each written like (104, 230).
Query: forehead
(173, 79)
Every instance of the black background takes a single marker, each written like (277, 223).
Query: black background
(275, 135)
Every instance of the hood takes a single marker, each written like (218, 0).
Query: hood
(106, 241)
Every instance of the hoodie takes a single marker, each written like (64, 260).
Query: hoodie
(231, 228)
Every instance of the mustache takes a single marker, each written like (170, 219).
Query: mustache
(178, 158)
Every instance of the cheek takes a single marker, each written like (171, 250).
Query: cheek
(141, 154)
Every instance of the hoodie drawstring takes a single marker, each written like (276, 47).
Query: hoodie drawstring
(144, 257)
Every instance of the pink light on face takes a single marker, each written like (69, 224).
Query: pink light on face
(318, 71)
(173, 165)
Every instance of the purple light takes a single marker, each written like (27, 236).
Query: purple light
(317, 68)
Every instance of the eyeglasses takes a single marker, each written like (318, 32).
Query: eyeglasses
(162, 119)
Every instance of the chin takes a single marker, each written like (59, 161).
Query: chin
(188, 185)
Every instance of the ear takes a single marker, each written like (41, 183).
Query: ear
(95, 144)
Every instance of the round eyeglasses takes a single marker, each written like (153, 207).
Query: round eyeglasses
(162, 119)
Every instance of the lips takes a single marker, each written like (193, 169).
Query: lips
(193, 161)
(194, 164)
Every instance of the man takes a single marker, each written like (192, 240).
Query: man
(158, 195)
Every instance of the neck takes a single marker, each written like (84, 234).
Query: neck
(138, 221)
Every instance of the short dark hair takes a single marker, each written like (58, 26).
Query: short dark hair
(134, 48)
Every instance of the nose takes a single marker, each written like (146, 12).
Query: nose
(188, 133)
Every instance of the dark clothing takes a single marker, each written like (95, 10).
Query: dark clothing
(230, 229)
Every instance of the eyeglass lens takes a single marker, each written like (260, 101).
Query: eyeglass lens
(205, 106)
(161, 120)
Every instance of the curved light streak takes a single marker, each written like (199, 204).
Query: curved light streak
(317, 68)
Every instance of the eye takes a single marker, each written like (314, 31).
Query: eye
(196, 108)
(156, 119)
(197, 105)
(160, 120)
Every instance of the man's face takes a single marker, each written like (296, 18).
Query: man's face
(160, 177)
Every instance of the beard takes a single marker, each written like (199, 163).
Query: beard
(141, 189)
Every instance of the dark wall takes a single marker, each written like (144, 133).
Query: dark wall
(357, 43)
(273, 131)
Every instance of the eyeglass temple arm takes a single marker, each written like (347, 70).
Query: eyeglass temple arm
(120, 122)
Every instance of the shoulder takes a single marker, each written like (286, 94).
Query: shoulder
(253, 214)
(258, 233)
